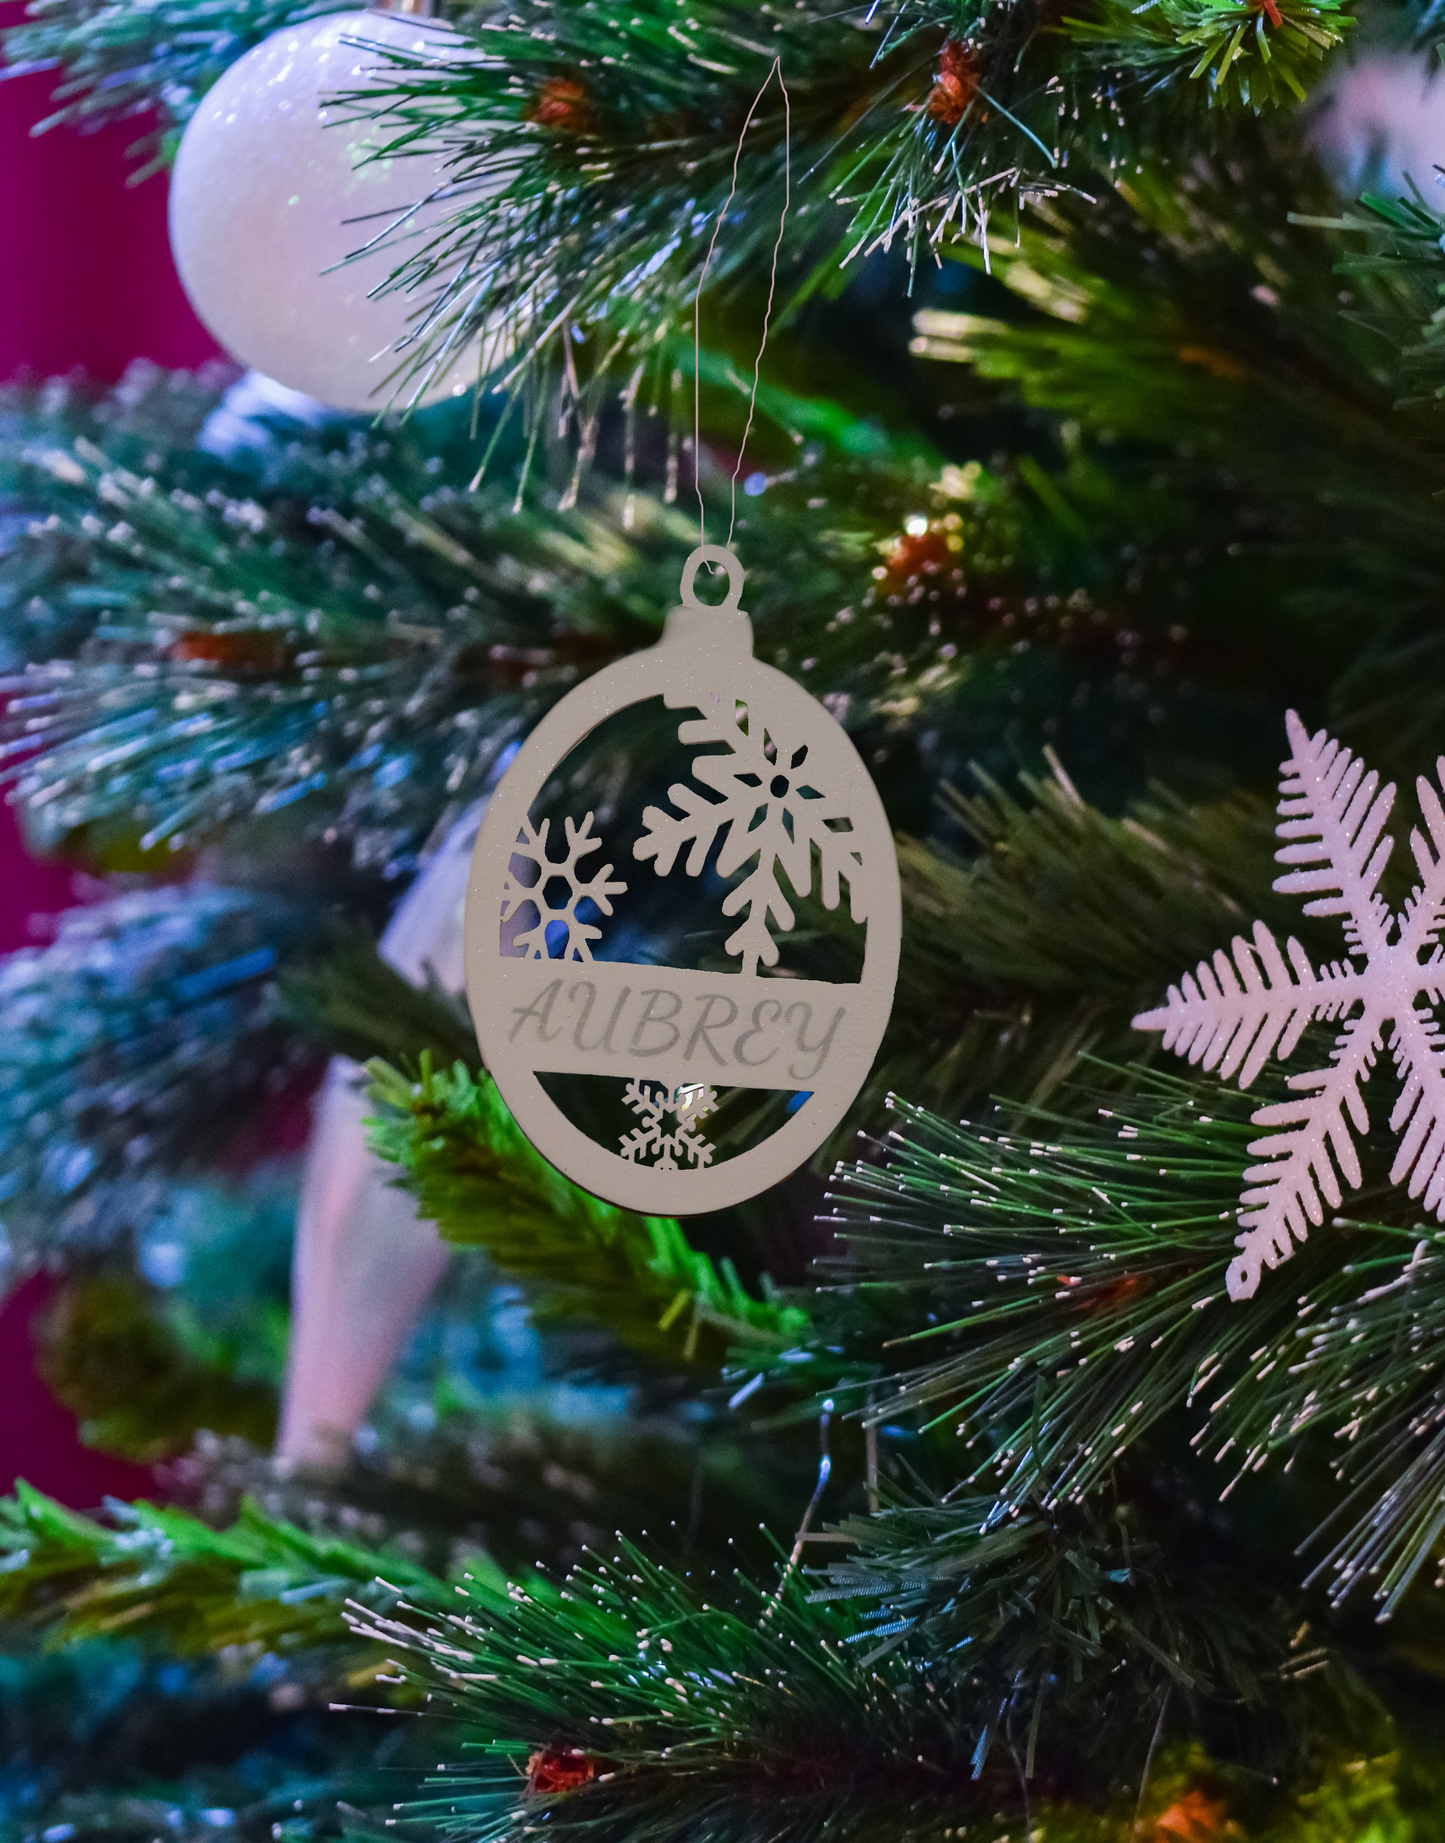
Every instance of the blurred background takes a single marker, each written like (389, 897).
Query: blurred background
(93, 298)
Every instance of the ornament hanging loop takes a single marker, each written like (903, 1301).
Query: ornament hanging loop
(718, 627)
(715, 556)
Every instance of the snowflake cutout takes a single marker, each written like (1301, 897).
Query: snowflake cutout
(1231, 1016)
(651, 1142)
(559, 889)
(767, 810)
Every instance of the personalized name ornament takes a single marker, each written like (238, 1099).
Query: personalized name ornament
(779, 794)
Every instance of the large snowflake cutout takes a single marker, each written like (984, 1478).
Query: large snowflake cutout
(556, 893)
(766, 810)
(652, 1142)
(1230, 1016)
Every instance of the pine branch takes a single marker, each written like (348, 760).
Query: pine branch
(1361, 1363)
(1074, 1277)
(108, 1352)
(1063, 897)
(45, 611)
(131, 1047)
(641, 1708)
(478, 1178)
(1041, 946)
(585, 171)
(1162, 300)
(1257, 58)
(1083, 1619)
(120, 58)
(164, 1578)
(530, 1476)
(1165, 306)
(636, 1706)
(142, 1646)
(106, 1741)
(355, 1004)
(329, 636)
(652, 1710)
(332, 634)
(1401, 266)
(280, 1552)
(904, 118)
(1168, 307)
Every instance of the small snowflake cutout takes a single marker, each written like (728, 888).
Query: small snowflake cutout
(651, 1143)
(560, 887)
(1231, 1015)
(767, 809)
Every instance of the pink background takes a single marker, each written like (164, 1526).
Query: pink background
(86, 282)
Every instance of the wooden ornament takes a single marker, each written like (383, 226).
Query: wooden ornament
(778, 802)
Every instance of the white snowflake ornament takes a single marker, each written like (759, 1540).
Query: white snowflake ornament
(550, 897)
(778, 806)
(1232, 1014)
(652, 1142)
(767, 811)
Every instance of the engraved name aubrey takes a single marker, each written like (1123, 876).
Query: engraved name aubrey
(612, 1018)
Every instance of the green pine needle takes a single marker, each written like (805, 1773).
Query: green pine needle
(1079, 1618)
(120, 58)
(1065, 923)
(1255, 57)
(678, 1706)
(589, 153)
(474, 1173)
(162, 1577)
(355, 1003)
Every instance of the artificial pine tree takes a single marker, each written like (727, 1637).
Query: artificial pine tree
(943, 1491)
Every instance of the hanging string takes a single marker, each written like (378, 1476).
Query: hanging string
(776, 70)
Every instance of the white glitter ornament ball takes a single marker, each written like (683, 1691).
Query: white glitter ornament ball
(264, 183)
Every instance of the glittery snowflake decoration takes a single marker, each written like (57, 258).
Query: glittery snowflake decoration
(652, 1143)
(561, 886)
(766, 810)
(1232, 1015)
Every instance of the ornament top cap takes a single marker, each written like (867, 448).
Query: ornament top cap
(721, 623)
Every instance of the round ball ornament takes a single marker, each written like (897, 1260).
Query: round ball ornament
(674, 1089)
(271, 190)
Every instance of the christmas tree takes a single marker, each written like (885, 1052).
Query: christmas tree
(1067, 383)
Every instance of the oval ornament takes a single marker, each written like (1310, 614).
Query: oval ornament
(780, 805)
